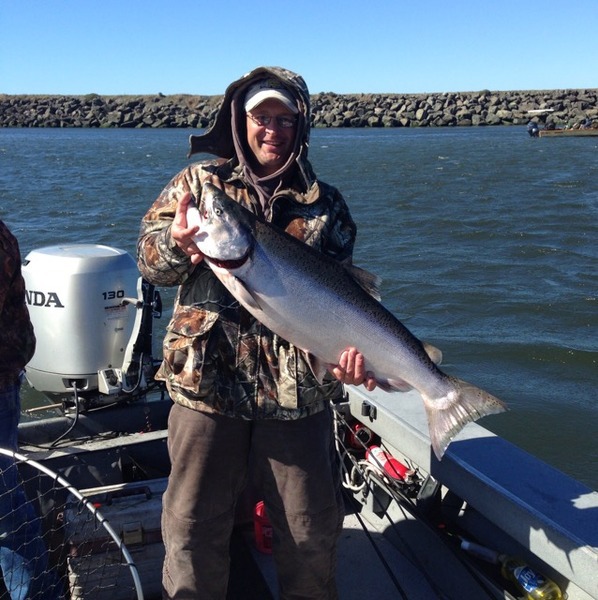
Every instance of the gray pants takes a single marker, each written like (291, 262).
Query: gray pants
(293, 462)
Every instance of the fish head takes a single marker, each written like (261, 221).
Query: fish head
(225, 233)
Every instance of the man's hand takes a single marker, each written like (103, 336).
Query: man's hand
(182, 234)
(351, 370)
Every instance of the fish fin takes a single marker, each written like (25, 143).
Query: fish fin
(366, 280)
(318, 368)
(433, 353)
(394, 385)
(448, 415)
(242, 292)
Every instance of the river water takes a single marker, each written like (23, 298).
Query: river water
(486, 241)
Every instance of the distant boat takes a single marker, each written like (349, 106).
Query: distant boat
(533, 128)
(567, 132)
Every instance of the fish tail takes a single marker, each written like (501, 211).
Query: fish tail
(463, 404)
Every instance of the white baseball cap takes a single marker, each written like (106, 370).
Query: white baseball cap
(266, 89)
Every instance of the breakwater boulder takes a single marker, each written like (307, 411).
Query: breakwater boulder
(449, 109)
(93, 110)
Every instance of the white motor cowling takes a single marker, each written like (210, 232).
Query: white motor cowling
(78, 297)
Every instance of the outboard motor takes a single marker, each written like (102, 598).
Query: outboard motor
(89, 309)
(533, 129)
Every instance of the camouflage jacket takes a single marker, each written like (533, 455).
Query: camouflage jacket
(17, 340)
(217, 357)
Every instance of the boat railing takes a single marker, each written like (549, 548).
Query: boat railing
(509, 500)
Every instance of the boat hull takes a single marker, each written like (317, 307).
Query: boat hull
(568, 133)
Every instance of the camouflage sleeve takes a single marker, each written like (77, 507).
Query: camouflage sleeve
(159, 259)
(16, 330)
(8, 262)
(341, 239)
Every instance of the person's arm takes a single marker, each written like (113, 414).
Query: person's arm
(9, 259)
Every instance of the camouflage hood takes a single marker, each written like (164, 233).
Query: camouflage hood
(225, 138)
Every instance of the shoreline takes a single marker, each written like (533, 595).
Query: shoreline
(446, 109)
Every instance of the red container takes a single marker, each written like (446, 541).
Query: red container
(383, 460)
(263, 529)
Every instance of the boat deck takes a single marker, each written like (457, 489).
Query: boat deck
(373, 566)
(391, 546)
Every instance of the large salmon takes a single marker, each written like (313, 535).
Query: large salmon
(323, 308)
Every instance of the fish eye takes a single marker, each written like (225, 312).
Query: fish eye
(217, 211)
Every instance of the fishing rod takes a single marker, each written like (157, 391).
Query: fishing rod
(367, 471)
(403, 484)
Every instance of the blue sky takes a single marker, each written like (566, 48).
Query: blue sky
(343, 46)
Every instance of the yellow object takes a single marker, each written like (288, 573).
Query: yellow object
(533, 585)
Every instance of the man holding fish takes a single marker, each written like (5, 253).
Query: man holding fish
(267, 314)
(242, 393)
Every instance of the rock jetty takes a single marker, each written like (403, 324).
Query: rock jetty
(328, 109)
